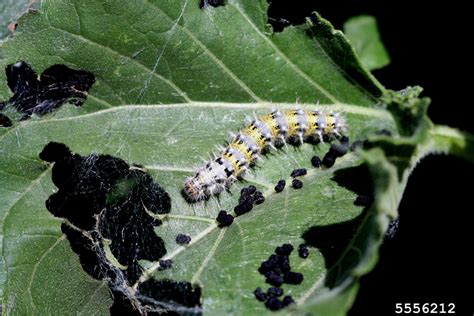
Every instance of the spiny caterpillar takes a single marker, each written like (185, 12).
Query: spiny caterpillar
(269, 131)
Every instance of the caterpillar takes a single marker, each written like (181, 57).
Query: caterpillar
(269, 131)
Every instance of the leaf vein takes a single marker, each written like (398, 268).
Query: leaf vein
(211, 253)
(168, 168)
(35, 267)
(346, 108)
(27, 190)
(147, 273)
(101, 101)
(162, 51)
(100, 287)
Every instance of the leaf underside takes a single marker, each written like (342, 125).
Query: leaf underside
(171, 81)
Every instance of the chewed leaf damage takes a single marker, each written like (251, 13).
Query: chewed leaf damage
(212, 3)
(110, 204)
(40, 95)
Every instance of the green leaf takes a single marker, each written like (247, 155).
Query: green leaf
(363, 33)
(172, 81)
(169, 141)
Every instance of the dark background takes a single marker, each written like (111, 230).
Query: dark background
(427, 259)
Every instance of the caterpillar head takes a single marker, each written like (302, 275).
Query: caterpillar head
(208, 181)
(193, 190)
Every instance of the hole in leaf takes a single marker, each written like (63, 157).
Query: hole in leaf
(103, 194)
(57, 85)
(357, 179)
(332, 240)
(282, 14)
(212, 3)
(5, 121)
(109, 206)
(123, 305)
(165, 295)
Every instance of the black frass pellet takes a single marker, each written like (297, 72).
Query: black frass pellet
(275, 292)
(303, 251)
(245, 199)
(287, 300)
(329, 159)
(251, 189)
(344, 140)
(246, 193)
(280, 186)
(224, 219)
(296, 184)
(283, 264)
(293, 278)
(316, 161)
(260, 295)
(275, 263)
(183, 239)
(273, 304)
(244, 207)
(273, 278)
(284, 250)
(338, 150)
(258, 198)
(270, 264)
(165, 264)
(221, 215)
(266, 266)
(298, 172)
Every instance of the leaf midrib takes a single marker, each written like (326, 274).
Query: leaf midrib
(342, 107)
(58, 240)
